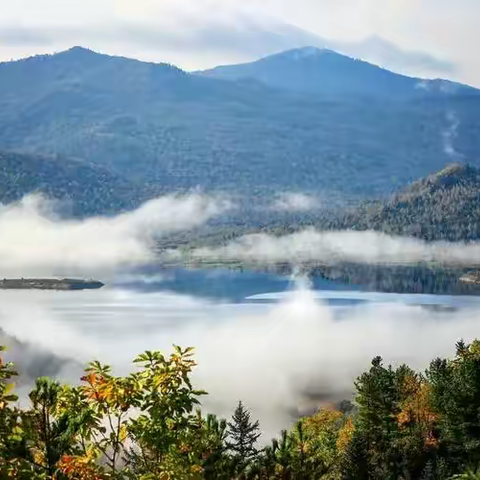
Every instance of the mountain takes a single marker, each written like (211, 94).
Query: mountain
(155, 124)
(84, 189)
(443, 206)
(248, 40)
(323, 71)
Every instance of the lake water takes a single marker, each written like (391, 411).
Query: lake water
(251, 286)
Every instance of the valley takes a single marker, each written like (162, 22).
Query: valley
(282, 221)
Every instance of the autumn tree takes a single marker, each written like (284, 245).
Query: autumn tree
(394, 433)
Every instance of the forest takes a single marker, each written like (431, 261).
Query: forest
(402, 424)
(145, 128)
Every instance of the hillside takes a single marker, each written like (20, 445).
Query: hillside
(443, 206)
(85, 189)
(322, 71)
(155, 123)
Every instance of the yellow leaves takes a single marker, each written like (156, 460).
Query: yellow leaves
(6, 389)
(123, 434)
(416, 410)
(474, 348)
(38, 456)
(345, 435)
(410, 385)
(196, 470)
(324, 419)
(279, 470)
(184, 448)
(97, 388)
(404, 417)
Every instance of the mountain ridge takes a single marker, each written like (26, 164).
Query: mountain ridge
(155, 124)
(325, 71)
(442, 206)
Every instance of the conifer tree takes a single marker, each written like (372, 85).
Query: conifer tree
(243, 434)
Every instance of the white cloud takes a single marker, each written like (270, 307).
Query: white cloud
(330, 247)
(449, 136)
(295, 202)
(202, 33)
(34, 241)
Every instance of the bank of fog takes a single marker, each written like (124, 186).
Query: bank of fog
(35, 241)
(282, 360)
(331, 247)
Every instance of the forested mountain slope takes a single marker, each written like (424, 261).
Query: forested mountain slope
(156, 123)
(443, 206)
(84, 189)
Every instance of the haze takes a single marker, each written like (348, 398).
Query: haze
(203, 33)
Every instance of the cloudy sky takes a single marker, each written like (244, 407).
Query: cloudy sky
(435, 37)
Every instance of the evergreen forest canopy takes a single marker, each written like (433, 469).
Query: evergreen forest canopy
(402, 425)
(443, 206)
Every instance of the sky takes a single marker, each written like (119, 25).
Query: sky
(435, 37)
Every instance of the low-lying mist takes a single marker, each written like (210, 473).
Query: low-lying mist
(281, 359)
(35, 241)
(332, 247)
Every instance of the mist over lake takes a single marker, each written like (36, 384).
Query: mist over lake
(283, 345)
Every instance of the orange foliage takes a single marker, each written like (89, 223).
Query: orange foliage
(80, 467)
(417, 411)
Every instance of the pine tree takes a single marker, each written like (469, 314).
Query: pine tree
(355, 463)
(243, 434)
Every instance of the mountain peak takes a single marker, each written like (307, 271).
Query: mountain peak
(311, 53)
(456, 168)
(79, 51)
(319, 71)
(304, 52)
(453, 174)
(79, 48)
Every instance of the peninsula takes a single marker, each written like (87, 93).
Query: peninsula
(49, 284)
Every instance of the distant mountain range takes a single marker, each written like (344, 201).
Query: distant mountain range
(306, 120)
(325, 72)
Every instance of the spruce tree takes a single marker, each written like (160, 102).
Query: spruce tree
(243, 435)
